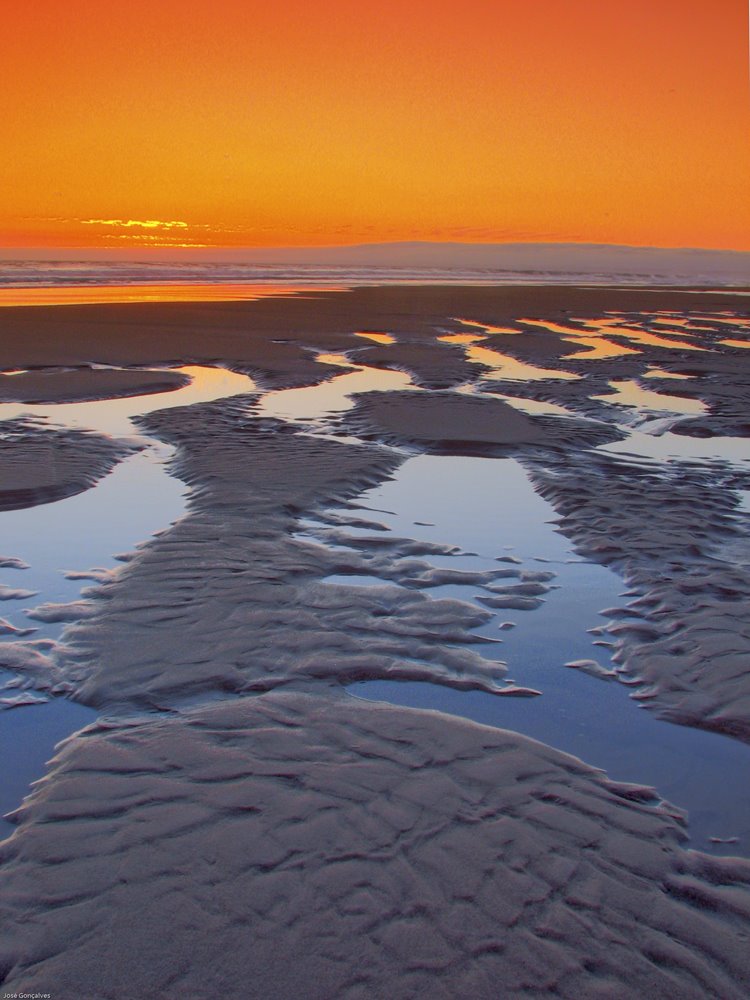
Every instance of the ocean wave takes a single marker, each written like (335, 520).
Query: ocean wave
(58, 274)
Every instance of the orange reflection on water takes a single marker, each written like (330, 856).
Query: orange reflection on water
(485, 326)
(640, 336)
(507, 367)
(95, 294)
(461, 338)
(552, 327)
(340, 360)
(379, 338)
(112, 416)
(661, 373)
(599, 347)
(627, 392)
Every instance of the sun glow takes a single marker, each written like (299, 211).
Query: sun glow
(248, 124)
(90, 295)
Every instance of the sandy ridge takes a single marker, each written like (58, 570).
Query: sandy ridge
(85, 384)
(228, 599)
(296, 845)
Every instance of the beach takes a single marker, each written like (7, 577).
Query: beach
(252, 811)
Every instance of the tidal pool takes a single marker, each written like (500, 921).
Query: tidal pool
(112, 416)
(334, 396)
(28, 737)
(78, 533)
(487, 507)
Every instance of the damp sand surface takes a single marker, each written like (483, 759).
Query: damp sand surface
(373, 807)
(83, 384)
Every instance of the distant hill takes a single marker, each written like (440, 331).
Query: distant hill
(553, 257)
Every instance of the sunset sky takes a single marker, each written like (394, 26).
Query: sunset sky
(234, 123)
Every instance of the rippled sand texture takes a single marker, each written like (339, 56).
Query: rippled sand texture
(292, 845)
(39, 464)
(245, 596)
(289, 840)
(671, 532)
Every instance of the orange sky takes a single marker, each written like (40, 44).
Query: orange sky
(291, 123)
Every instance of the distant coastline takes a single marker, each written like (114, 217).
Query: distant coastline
(369, 264)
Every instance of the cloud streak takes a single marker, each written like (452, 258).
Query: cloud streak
(136, 223)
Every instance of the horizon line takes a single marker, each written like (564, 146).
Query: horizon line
(157, 254)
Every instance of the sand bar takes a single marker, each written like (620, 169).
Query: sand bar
(85, 385)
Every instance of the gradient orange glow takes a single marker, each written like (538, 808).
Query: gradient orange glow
(77, 295)
(235, 123)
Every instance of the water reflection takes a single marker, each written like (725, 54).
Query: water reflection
(315, 401)
(627, 392)
(28, 737)
(379, 338)
(637, 335)
(485, 506)
(135, 500)
(95, 294)
(488, 506)
(112, 416)
(487, 327)
(461, 338)
(506, 367)
(661, 373)
(599, 348)
(339, 360)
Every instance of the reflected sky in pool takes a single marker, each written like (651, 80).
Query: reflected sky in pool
(27, 740)
(86, 530)
(315, 401)
(126, 507)
(112, 416)
(488, 506)
(663, 447)
(505, 366)
(627, 392)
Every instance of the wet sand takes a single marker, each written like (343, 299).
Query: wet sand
(291, 840)
(84, 385)
(265, 336)
(39, 464)
(294, 845)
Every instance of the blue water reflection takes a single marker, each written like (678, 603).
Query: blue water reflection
(488, 506)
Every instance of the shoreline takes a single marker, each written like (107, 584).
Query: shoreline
(242, 333)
